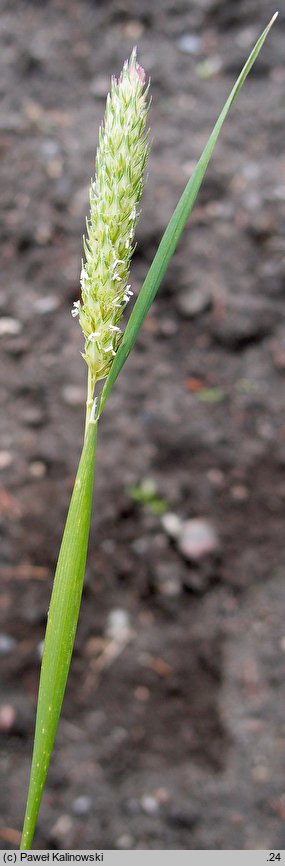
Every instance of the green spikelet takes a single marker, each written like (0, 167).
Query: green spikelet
(114, 197)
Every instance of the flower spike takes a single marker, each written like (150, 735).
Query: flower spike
(114, 197)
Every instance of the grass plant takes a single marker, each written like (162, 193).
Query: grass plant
(114, 198)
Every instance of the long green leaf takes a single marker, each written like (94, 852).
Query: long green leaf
(61, 629)
(173, 232)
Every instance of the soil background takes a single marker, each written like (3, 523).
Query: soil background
(172, 733)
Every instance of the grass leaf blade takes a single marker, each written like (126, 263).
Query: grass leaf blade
(174, 230)
(61, 629)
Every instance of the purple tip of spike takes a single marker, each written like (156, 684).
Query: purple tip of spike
(141, 74)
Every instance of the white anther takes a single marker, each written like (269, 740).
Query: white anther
(75, 309)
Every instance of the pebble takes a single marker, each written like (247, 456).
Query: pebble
(43, 232)
(47, 304)
(134, 30)
(197, 539)
(7, 717)
(6, 458)
(192, 303)
(172, 524)
(149, 804)
(118, 624)
(239, 492)
(73, 395)
(37, 469)
(125, 841)
(9, 327)
(189, 43)
(142, 694)
(82, 805)
(62, 827)
(7, 643)
(216, 477)
(50, 148)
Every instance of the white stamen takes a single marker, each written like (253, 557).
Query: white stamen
(75, 309)
(128, 294)
(109, 349)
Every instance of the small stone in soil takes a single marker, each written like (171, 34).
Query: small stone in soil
(7, 643)
(124, 841)
(47, 304)
(38, 469)
(81, 805)
(73, 395)
(142, 694)
(193, 302)
(197, 539)
(172, 524)
(189, 43)
(9, 327)
(239, 492)
(118, 624)
(149, 804)
(61, 828)
(216, 477)
(6, 458)
(7, 717)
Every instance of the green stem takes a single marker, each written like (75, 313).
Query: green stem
(61, 629)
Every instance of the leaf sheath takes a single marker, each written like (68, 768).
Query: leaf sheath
(61, 629)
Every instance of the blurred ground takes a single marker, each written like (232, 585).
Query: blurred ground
(172, 733)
